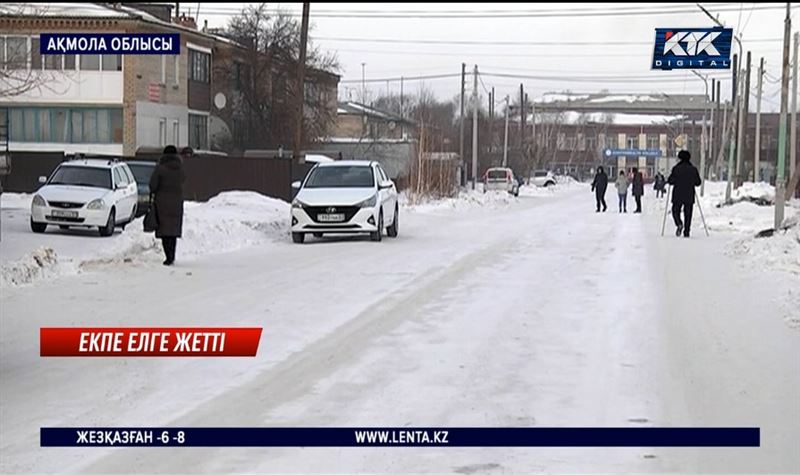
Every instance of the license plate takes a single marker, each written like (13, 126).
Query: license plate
(330, 218)
(65, 214)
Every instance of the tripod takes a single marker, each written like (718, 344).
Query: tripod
(666, 209)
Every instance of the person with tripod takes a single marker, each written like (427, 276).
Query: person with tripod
(683, 178)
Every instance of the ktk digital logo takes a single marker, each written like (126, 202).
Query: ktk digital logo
(692, 48)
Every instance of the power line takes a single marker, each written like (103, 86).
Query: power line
(505, 43)
(402, 78)
(609, 79)
(582, 13)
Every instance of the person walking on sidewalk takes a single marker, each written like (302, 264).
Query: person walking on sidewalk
(637, 190)
(599, 186)
(683, 178)
(166, 184)
(622, 191)
(660, 184)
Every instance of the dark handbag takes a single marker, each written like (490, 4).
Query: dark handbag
(151, 218)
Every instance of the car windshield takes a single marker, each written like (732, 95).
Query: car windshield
(356, 176)
(142, 172)
(540, 174)
(82, 176)
(498, 174)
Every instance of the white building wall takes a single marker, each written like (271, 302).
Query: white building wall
(68, 148)
(149, 117)
(72, 88)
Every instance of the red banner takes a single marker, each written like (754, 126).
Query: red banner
(149, 341)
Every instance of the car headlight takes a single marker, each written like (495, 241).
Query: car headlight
(371, 201)
(96, 204)
(39, 201)
(298, 204)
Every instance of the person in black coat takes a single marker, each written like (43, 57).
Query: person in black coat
(659, 184)
(638, 189)
(599, 186)
(166, 183)
(683, 178)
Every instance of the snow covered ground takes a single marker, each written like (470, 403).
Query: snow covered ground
(227, 222)
(498, 311)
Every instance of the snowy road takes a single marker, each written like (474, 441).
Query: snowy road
(542, 313)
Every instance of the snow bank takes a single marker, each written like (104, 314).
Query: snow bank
(227, 222)
(15, 201)
(470, 199)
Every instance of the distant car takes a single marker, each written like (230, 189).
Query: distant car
(142, 171)
(86, 193)
(543, 178)
(500, 179)
(345, 196)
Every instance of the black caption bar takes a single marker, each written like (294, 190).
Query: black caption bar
(401, 437)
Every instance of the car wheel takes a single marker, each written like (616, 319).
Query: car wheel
(38, 227)
(318, 235)
(298, 238)
(378, 235)
(392, 230)
(108, 229)
(549, 183)
(63, 226)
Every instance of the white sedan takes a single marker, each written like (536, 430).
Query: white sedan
(345, 196)
(86, 193)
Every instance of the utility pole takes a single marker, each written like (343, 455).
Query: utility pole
(793, 129)
(461, 133)
(402, 112)
(742, 123)
(521, 115)
(363, 84)
(710, 142)
(533, 136)
(300, 89)
(703, 136)
(722, 126)
(757, 154)
(780, 184)
(734, 116)
(505, 140)
(491, 121)
(475, 127)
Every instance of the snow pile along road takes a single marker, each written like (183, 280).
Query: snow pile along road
(227, 222)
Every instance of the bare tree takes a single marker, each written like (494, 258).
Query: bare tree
(17, 76)
(270, 45)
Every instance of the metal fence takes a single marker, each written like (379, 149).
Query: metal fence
(206, 176)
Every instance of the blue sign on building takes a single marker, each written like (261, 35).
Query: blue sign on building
(632, 152)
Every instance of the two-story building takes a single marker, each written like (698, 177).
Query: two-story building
(116, 104)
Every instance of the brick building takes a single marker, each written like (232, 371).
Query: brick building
(116, 104)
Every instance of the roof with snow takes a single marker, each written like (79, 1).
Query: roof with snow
(572, 117)
(654, 103)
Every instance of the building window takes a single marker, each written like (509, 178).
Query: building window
(176, 132)
(54, 62)
(162, 132)
(16, 55)
(652, 141)
(198, 131)
(199, 66)
(36, 55)
(561, 141)
(591, 143)
(64, 125)
(112, 62)
(90, 62)
(163, 69)
(581, 142)
(176, 60)
(632, 142)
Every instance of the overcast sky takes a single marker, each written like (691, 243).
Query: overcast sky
(598, 58)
